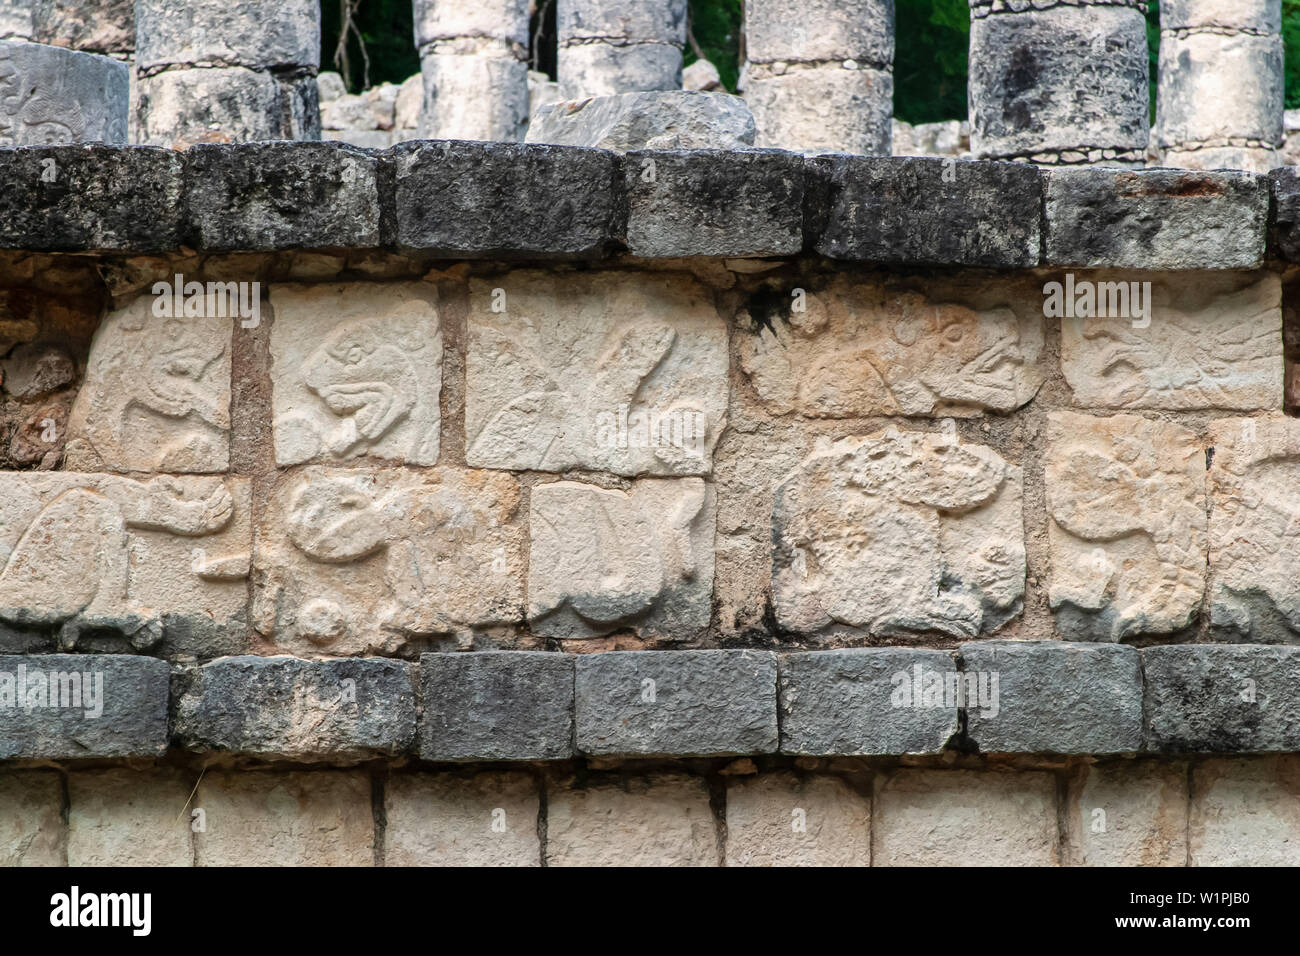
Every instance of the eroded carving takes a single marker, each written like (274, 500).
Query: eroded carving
(855, 349)
(34, 111)
(620, 372)
(106, 553)
(357, 562)
(1255, 530)
(1208, 342)
(898, 533)
(1127, 529)
(156, 395)
(356, 372)
(604, 560)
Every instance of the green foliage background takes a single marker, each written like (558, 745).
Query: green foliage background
(929, 60)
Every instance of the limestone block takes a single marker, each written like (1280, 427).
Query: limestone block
(32, 831)
(353, 562)
(825, 109)
(449, 19)
(1233, 157)
(1039, 83)
(1256, 16)
(868, 701)
(1128, 813)
(541, 91)
(33, 371)
(1254, 593)
(356, 372)
(1127, 535)
(100, 26)
(129, 818)
(157, 391)
(443, 819)
(258, 34)
(474, 97)
(254, 818)
(603, 560)
(662, 820)
(622, 21)
(701, 75)
(1214, 342)
(409, 103)
(898, 533)
(1216, 88)
(140, 558)
(656, 119)
(78, 706)
(1245, 812)
(872, 348)
(973, 214)
(598, 68)
(496, 705)
(283, 707)
(49, 95)
(620, 372)
(780, 819)
(965, 818)
(819, 30)
(179, 108)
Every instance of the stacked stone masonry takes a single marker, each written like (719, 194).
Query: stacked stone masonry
(527, 504)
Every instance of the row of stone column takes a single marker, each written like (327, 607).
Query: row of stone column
(1057, 82)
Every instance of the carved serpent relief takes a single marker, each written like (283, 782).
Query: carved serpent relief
(41, 116)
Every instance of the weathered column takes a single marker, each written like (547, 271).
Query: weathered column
(51, 96)
(226, 71)
(16, 19)
(92, 26)
(1059, 85)
(819, 74)
(619, 46)
(1220, 101)
(474, 59)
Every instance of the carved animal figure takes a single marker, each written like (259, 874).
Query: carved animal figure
(48, 119)
(70, 567)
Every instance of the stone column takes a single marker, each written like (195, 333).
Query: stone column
(474, 60)
(619, 46)
(1059, 85)
(92, 26)
(819, 74)
(16, 20)
(52, 96)
(227, 71)
(1220, 102)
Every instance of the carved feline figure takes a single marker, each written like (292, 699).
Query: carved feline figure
(69, 569)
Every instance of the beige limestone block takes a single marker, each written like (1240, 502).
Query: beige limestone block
(447, 819)
(268, 818)
(1246, 812)
(129, 818)
(352, 561)
(965, 818)
(623, 372)
(156, 395)
(93, 552)
(1254, 532)
(32, 832)
(602, 559)
(1127, 529)
(780, 819)
(356, 370)
(1128, 813)
(825, 109)
(871, 348)
(1208, 342)
(662, 820)
(898, 533)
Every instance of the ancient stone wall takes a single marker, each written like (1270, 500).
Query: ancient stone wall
(526, 504)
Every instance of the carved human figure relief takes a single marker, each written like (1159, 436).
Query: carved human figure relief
(101, 552)
(1127, 528)
(156, 395)
(614, 371)
(851, 349)
(356, 371)
(1255, 530)
(898, 533)
(1212, 341)
(603, 560)
(357, 562)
